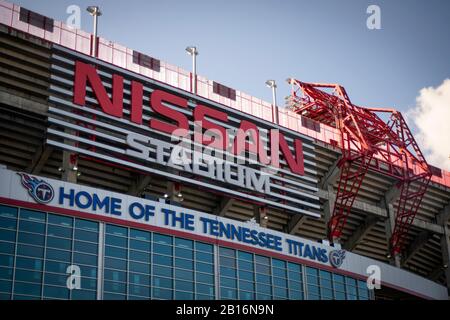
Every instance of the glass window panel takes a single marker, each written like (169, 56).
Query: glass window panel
(86, 225)
(228, 282)
(338, 278)
(30, 238)
(9, 212)
(56, 292)
(140, 235)
(326, 292)
(261, 278)
(140, 256)
(8, 235)
(204, 247)
(245, 265)
(204, 297)
(204, 267)
(88, 283)
(113, 286)
(115, 275)
(163, 239)
(140, 279)
(162, 271)
(139, 267)
(59, 231)
(8, 223)
(184, 274)
(227, 293)
(281, 282)
(85, 259)
(55, 279)
(280, 292)
(183, 243)
(204, 277)
(294, 267)
(339, 286)
(263, 288)
(184, 285)
(205, 289)
(142, 291)
(5, 296)
(246, 275)
(246, 285)
(262, 259)
(83, 295)
(325, 283)
(311, 271)
(296, 285)
(7, 247)
(180, 295)
(262, 296)
(162, 249)
(30, 226)
(203, 256)
(32, 289)
(313, 290)
(312, 280)
(140, 245)
(116, 230)
(162, 282)
(162, 260)
(294, 276)
(58, 255)
(5, 286)
(242, 255)
(115, 263)
(350, 281)
(159, 293)
(86, 247)
(86, 235)
(88, 271)
(116, 241)
(295, 295)
(32, 215)
(279, 272)
(184, 263)
(228, 272)
(113, 296)
(339, 296)
(261, 268)
(279, 263)
(115, 252)
(59, 220)
(227, 262)
(325, 275)
(59, 243)
(57, 267)
(351, 290)
(6, 273)
(184, 253)
(30, 251)
(226, 252)
(313, 297)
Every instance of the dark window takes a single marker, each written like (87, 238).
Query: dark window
(224, 91)
(311, 124)
(146, 61)
(435, 171)
(36, 19)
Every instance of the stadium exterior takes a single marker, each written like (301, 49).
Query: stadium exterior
(90, 191)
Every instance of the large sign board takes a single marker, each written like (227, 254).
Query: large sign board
(108, 113)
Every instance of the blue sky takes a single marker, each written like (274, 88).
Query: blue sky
(243, 43)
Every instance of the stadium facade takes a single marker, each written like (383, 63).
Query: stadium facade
(92, 187)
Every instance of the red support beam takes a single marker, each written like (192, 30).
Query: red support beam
(365, 141)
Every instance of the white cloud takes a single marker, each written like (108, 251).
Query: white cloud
(432, 119)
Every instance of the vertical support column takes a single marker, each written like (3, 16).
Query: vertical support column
(328, 207)
(216, 273)
(69, 167)
(390, 223)
(101, 242)
(261, 216)
(445, 248)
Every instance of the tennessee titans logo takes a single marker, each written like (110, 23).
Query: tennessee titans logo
(337, 257)
(39, 190)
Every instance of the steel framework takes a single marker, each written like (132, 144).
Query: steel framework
(367, 142)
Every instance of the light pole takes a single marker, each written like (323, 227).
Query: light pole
(192, 51)
(95, 12)
(271, 84)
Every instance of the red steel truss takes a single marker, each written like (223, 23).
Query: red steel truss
(367, 142)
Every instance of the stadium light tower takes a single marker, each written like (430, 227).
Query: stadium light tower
(192, 51)
(271, 84)
(95, 12)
